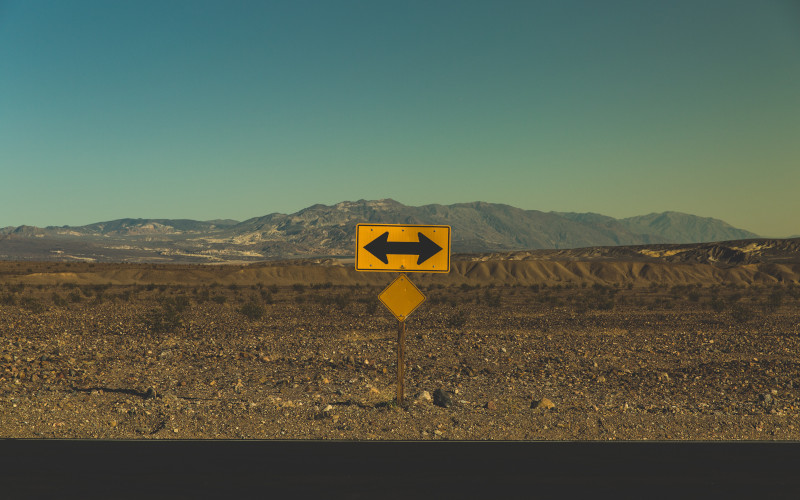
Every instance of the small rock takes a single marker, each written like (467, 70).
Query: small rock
(601, 379)
(150, 393)
(765, 399)
(543, 404)
(491, 405)
(442, 398)
(328, 409)
(424, 396)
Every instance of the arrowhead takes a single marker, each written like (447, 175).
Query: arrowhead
(378, 247)
(427, 248)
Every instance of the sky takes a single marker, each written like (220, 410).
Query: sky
(236, 109)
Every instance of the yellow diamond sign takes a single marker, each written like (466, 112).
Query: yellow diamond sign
(401, 297)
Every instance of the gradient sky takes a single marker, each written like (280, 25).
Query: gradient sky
(232, 109)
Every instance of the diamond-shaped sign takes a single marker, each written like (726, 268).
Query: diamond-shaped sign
(401, 297)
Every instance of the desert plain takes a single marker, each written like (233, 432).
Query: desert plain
(506, 347)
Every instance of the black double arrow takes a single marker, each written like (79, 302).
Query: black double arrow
(424, 249)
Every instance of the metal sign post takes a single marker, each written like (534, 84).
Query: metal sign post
(401, 297)
(401, 359)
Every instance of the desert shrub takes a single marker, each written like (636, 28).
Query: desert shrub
(150, 287)
(252, 311)
(603, 304)
(233, 287)
(8, 299)
(774, 300)
(74, 297)
(741, 313)
(273, 288)
(179, 303)
(32, 304)
(219, 299)
(166, 318)
(716, 304)
(457, 320)
(267, 297)
(341, 300)
(69, 286)
(58, 300)
(202, 295)
(372, 306)
(734, 297)
(693, 296)
(300, 299)
(299, 287)
(492, 300)
(534, 288)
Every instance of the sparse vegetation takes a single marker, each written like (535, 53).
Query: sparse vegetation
(32, 304)
(457, 319)
(58, 300)
(252, 311)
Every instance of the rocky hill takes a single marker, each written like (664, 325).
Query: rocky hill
(322, 230)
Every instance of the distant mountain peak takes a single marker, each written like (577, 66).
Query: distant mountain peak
(323, 230)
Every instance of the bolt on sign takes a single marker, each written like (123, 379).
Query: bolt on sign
(404, 248)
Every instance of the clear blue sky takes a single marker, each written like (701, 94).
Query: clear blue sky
(233, 109)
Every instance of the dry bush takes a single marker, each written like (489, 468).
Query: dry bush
(457, 319)
(741, 313)
(58, 300)
(252, 311)
(32, 304)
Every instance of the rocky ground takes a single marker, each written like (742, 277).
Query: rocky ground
(317, 361)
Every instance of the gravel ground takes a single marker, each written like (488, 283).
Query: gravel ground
(518, 363)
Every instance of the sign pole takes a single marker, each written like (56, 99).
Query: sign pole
(401, 359)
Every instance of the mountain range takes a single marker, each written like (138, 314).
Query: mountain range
(322, 230)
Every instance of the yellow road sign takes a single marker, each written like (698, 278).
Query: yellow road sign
(405, 248)
(401, 297)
